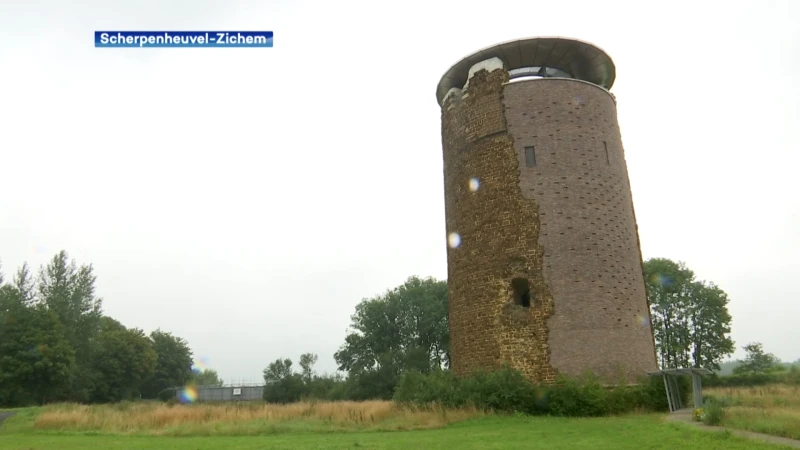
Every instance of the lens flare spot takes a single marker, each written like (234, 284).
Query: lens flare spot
(200, 365)
(454, 240)
(474, 184)
(188, 395)
(642, 320)
(661, 279)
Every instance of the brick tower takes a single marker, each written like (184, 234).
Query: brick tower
(544, 264)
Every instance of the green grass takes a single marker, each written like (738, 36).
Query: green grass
(493, 432)
(771, 409)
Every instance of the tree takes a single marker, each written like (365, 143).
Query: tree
(173, 363)
(35, 356)
(307, 361)
(756, 361)
(690, 319)
(207, 377)
(709, 325)
(68, 291)
(281, 384)
(123, 360)
(399, 328)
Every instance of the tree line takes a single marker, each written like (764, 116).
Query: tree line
(406, 330)
(56, 344)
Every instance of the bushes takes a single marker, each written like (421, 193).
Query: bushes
(790, 376)
(506, 390)
(167, 394)
(713, 413)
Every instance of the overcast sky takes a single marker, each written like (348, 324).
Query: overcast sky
(247, 199)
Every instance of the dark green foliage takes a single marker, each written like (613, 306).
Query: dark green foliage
(167, 394)
(35, 356)
(404, 329)
(757, 361)
(56, 345)
(173, 364)
(507, 390)
(123, 360)
(791, 376)
(690, 318)
(281, 384)
(441, 387)
(582, 398)
(713, 412)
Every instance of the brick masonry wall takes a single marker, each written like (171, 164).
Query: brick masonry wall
(593, 262)
(565, 225)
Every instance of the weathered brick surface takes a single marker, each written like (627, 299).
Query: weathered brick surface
(566, 225)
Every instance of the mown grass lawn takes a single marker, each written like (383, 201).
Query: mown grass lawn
(637, 432)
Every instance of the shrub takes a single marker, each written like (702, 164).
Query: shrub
(578, 397)
(698, 415)
(439, 387)
(507, 390)
(713, 413)
(167, 394)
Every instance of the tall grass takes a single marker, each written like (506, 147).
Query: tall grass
(770, 409)
(244, 418)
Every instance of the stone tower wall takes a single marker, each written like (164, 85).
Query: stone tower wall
(562, 228)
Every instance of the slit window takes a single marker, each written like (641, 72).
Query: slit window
(530, 157)
(605, 146)
(521, 292)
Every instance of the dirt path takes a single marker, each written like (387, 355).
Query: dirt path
(685, 416)
(5, 415)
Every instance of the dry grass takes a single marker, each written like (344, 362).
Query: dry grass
(244, 418)
(772, 409)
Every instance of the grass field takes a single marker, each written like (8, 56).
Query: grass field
(375, 425)
(771, 409)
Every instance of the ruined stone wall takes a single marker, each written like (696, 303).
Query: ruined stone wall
(498, 230)
(565, 227)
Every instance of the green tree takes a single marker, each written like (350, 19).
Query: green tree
(68, 291)
(123, 360)
(307, 361)
(35, 356)
(281, 384)
(690, 318)
(173, 364)
(709, 325)
(399, 328)
(756, 361)
(405, 328)
(207, 377)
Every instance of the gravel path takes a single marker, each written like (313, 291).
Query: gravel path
(685, 416)
(5, 415)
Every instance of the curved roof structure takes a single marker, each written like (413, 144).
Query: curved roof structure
(579, 59)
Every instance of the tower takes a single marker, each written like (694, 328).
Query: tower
(544, 263)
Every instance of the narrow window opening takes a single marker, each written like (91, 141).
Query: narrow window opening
(521, 292)
(606, 147)
(530, 157)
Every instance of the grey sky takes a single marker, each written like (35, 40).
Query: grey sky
(247, 199)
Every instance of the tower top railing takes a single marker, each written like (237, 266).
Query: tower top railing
(553, 56)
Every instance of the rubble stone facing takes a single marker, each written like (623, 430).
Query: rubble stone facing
(499, 232)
